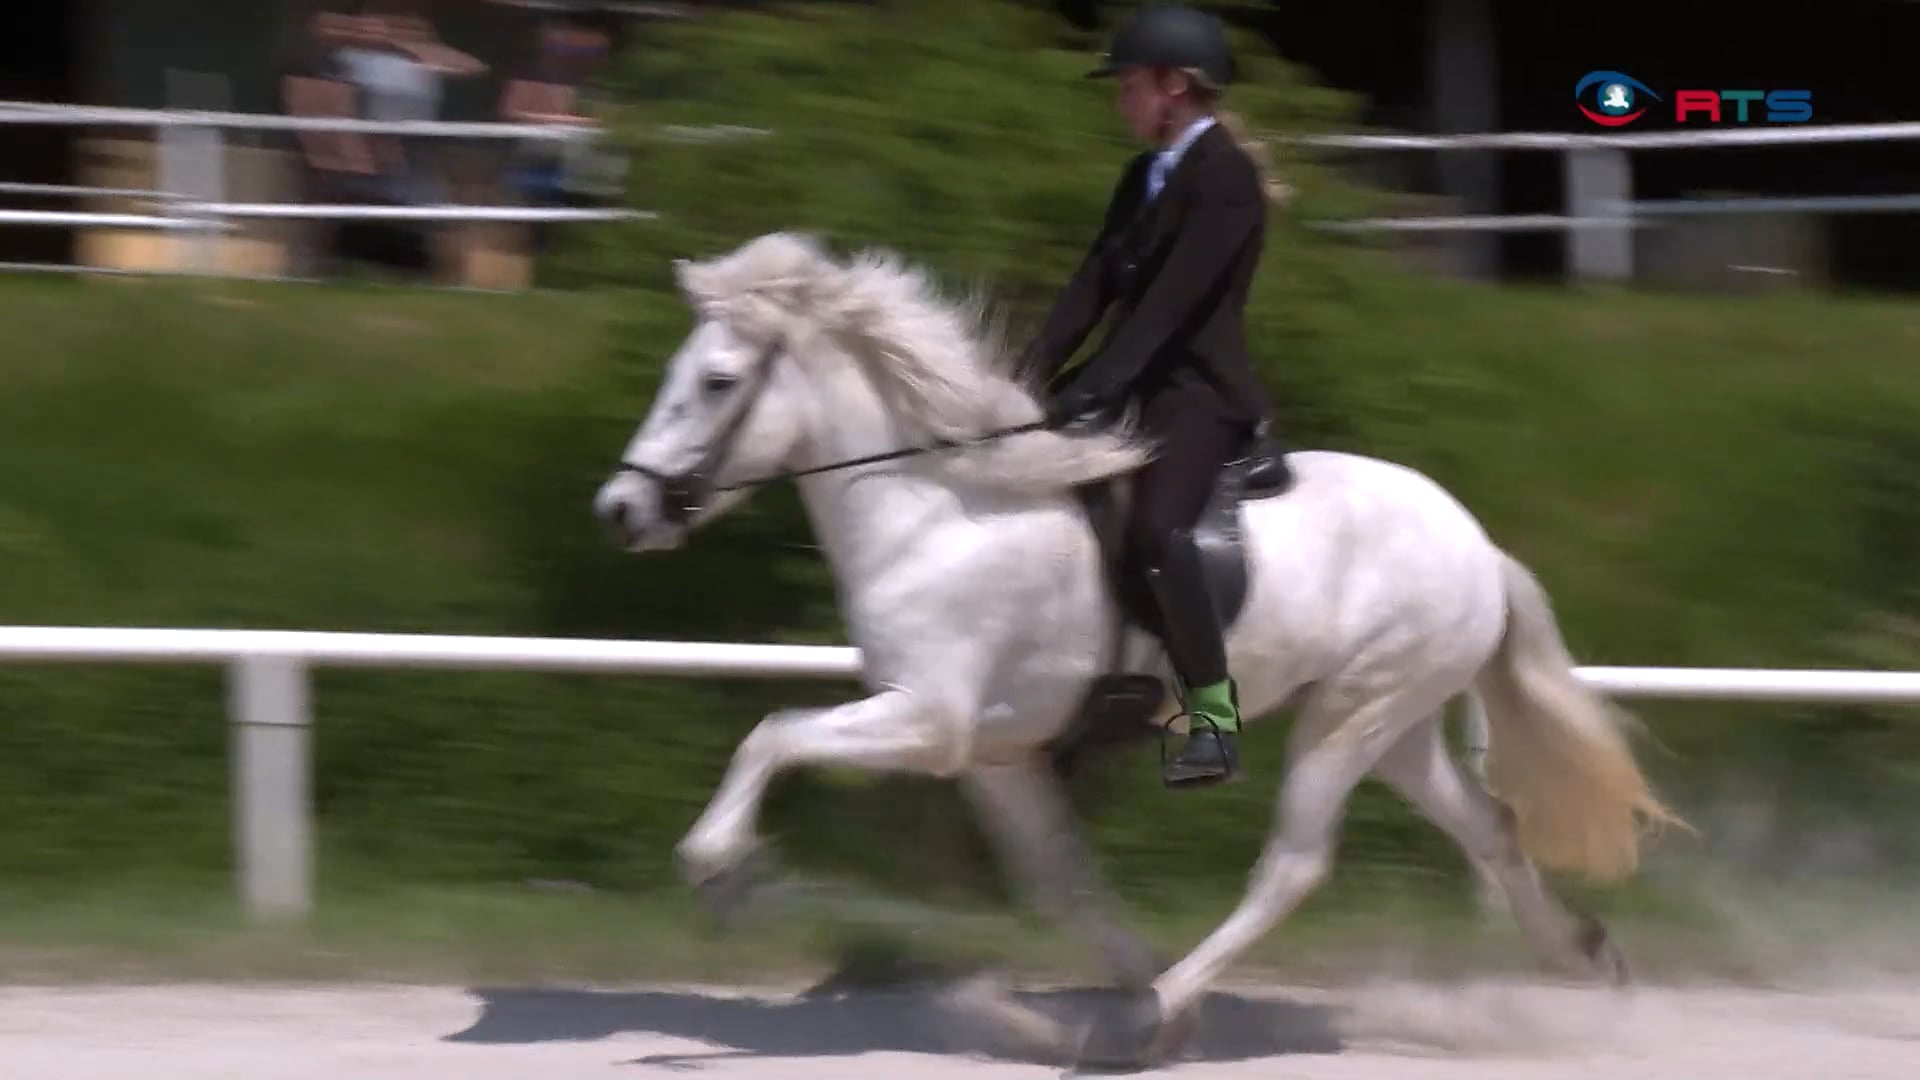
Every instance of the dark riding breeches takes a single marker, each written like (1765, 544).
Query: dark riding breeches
(1169, 494)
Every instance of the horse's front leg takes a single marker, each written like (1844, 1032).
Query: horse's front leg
(1030, 822)
(892, 731)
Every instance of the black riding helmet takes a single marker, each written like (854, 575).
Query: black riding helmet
(1176, 37)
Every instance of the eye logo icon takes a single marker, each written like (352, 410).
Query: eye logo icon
(1616, 97)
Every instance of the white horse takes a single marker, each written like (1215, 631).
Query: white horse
(970, 579)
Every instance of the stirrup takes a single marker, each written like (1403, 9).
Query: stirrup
(1199, 726)
(1194, 719)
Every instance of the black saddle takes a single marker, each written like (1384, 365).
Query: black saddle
(1260, 472)
(1119, 705)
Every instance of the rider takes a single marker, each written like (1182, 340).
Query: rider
(1173, 260)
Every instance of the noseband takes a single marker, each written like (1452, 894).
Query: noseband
(685, 494)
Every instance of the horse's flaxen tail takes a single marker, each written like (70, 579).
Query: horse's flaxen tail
(1558, 753)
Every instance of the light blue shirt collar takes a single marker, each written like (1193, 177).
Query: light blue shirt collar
(1165, 160)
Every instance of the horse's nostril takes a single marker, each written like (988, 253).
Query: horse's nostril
(613, 517)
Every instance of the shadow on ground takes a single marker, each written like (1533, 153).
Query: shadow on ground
(919, 1019)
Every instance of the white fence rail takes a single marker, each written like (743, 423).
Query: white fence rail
(191, 194)
(1640, 140)
(270, 706)
(1601, 214)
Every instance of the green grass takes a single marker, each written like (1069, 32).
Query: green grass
(1698, 480)
(1368, 925)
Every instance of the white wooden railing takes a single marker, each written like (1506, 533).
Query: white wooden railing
(192, 164)
(190, 198)
(271, 710)
(1601, 215)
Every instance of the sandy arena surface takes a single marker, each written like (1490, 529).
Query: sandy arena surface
(1483, 1031)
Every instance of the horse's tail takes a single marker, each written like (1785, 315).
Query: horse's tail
(1558, 754)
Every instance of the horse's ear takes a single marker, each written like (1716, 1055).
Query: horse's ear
(690, 276)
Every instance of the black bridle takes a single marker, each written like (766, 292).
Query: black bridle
(685, 494)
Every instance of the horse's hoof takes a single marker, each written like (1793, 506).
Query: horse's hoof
(1139, 1036)
(987, 1004)
(729, 893)
(1174, 1035)
(1607, 961)
(1136, 970)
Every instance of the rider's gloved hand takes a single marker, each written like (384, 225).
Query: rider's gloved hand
(1075, 403)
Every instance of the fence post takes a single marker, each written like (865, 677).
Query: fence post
(1492, 898)
(1599, 183)
(193, 167)
(270, 712)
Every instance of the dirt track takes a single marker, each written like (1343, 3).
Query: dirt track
(1480, 1032)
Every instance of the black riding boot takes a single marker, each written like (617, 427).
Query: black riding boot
(1195, 641)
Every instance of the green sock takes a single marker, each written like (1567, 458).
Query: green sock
(1215, 702)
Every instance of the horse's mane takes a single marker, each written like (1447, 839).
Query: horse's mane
(940, 367)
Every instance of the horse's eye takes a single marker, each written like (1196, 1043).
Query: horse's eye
(719, 383)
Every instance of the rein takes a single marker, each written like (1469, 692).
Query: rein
(685, 494)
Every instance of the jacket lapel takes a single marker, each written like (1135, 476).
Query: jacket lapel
(1192, 161)
(1151, 221)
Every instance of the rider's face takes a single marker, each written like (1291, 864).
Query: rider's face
(1145, 96)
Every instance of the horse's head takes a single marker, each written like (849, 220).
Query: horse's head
(729, 410)
(795, 356)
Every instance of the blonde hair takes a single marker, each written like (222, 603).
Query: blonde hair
(1278, 190)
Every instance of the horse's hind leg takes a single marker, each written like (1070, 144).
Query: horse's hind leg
(1333, 750)
(1419, 767)
(1027, 816)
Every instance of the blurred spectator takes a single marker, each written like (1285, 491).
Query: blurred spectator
(553, 87)
(381, 63)
(338, 166)
(313, 85)
(547, 90)
(398, 64)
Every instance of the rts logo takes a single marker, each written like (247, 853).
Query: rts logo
(1617, 101)
(1615, 97)
(1783, 106)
